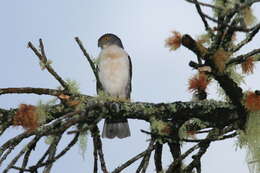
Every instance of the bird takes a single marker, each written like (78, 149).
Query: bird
(114, 69)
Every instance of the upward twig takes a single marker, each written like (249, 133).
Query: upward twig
(91, 63)
(201, 15)
(43, 59)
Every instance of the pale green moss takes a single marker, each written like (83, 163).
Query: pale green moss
(250, 139)
(95, 60)
(83, 140)
(102, 95)
(257, 57)
(44, 65)
(42, 110)
(205, 39)
(73, 86)
(160, 127)
(128, 108)
(82, 103)
(241, 139)
(49, 139)
(222, 94)
(225, 4)
(148, 110)
(172, 107)
(248, 16)
(212, 105)
(239, 78)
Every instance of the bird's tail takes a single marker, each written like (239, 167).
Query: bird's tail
(116, 128)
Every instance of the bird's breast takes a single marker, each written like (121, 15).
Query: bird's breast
(114, 71)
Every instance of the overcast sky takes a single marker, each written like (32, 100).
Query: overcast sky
(158, 75)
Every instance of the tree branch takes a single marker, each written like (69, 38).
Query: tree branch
(242, 58)
(158, 157)
(42, 57)
(132, 160)
(29, 90)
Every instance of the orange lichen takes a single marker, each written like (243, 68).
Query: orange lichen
(73, 103)
(192, 134)
(174, 42)
(220, 58)
(252, 101)
(64, 97)
(198, 82)
(248, 66)
(26, 116)
(167, 130)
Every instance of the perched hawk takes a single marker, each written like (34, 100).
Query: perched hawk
(115, 73)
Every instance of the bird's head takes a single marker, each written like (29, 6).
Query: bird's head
(108, 40)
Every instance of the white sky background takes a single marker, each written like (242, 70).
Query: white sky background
(158, 75)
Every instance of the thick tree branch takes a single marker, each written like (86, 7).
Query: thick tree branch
(158, 157)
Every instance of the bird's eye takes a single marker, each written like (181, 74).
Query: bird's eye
(105, 38)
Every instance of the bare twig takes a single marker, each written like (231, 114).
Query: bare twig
(42, 57)
(144, 163)
(132, 160)
(29, 90)
(49, 161)
(182, 157)
(242, 58)
(26, 157)
(91, 63)
(98, 144)
(202, 16)
(15, 159)
(218, 138)
(52, 152)
(21, 169)
(14, 141)
(6, 154)
(206, 4)
(204, 145)
(248, 38)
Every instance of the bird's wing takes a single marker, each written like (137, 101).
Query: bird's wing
(129, 85)
(98, 83)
